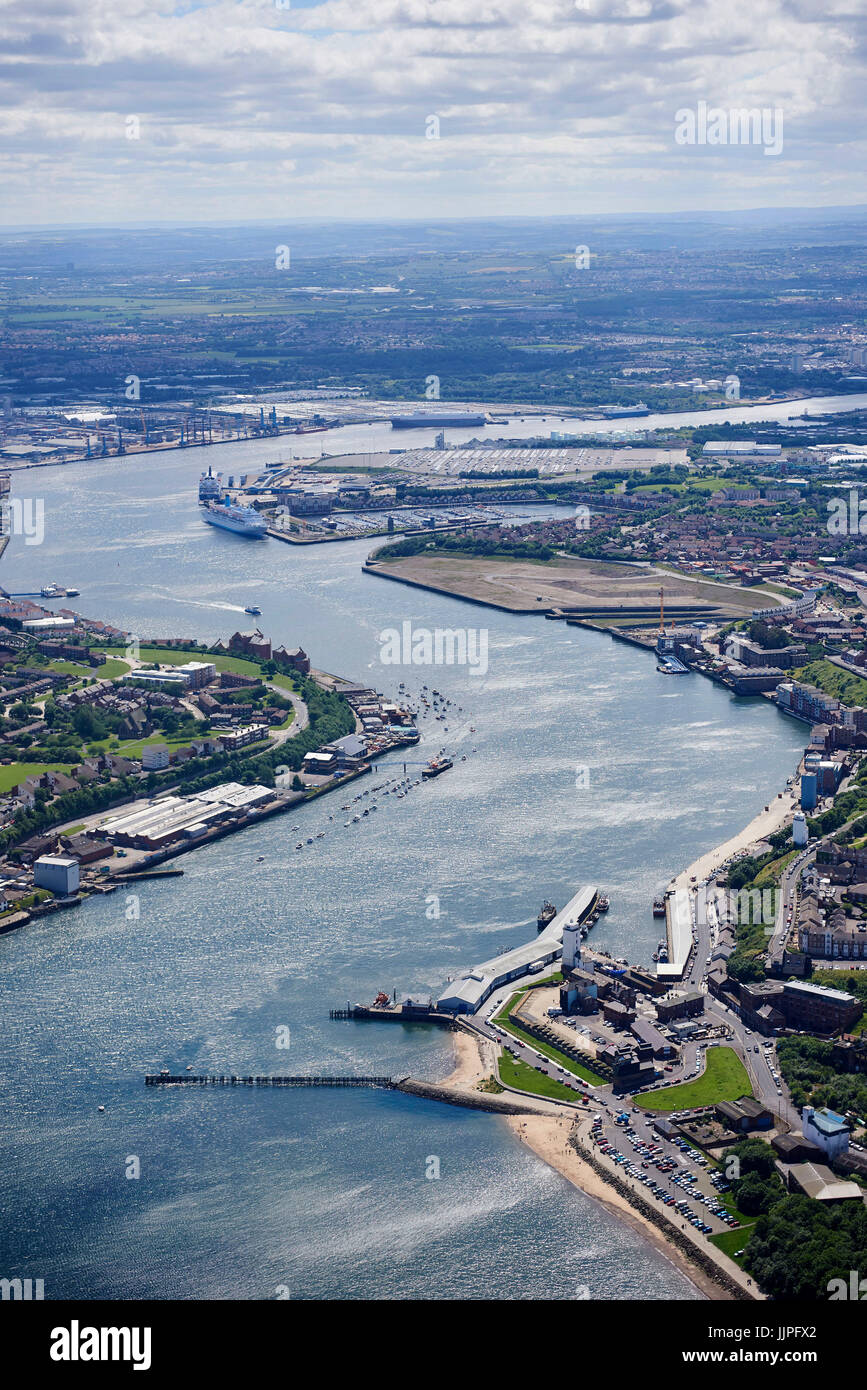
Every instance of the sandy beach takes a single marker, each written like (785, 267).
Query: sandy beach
(547, 1134)
(548, 1138)
(475, 1058)
(762, 825)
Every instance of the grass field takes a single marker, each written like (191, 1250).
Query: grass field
(516, 1073)
(16, 772)
(725, 1078)
(730, 1241)
(109, 671)
(171, 656)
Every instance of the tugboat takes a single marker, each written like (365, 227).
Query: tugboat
(602, 903)
(546, 915)
(659, 907)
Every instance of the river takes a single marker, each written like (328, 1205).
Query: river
(325, 1195)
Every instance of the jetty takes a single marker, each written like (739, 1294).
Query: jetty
(165, 1079)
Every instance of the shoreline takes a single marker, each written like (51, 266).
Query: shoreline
(548, 1138)
(546, 1130)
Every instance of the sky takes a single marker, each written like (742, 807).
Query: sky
(116, 111)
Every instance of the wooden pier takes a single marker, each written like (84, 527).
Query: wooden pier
(164, 1079)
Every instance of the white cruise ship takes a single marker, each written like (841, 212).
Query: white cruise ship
(245, 521)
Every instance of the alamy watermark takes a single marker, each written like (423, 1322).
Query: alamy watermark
(847, 516)
(712, 125)
(738, 907)
(855, 1289)
(23, 516)
(442, 646)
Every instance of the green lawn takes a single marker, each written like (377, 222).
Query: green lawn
(132, 747)
(516, 1073)
(16, 772)
(730, 1241)
(586, 1073)
(110, 669)
(171, 656)
(725, 1078)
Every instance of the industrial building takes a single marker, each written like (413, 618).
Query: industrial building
(819, 1182)
(740, 448)
(678, 920)
(171, 818)
(58, 873)
(467, 994)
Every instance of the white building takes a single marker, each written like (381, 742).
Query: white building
(154, 757)
(198, 673)
(57, 873)
(799, 828)
(825, 1129)
(571, 946)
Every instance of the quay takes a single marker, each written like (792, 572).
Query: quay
(165, 1079)
(469, 993)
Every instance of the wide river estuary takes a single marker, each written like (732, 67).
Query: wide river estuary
(324, 1194)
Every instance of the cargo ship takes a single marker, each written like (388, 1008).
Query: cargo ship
(422, 421)
(546, 915)
(244, 521)
(436, 766)
(614, 412)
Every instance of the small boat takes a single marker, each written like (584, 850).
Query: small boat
(260, 859)
(299, 845)
(356, 819)
(101, 1109)
(310, 839)
(190, 1067)
(254, 609)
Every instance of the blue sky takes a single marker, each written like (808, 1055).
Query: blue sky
(248, 109)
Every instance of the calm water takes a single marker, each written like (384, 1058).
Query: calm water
(378, 435)
(325, 1194)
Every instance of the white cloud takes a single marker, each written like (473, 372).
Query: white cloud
(321, 109)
